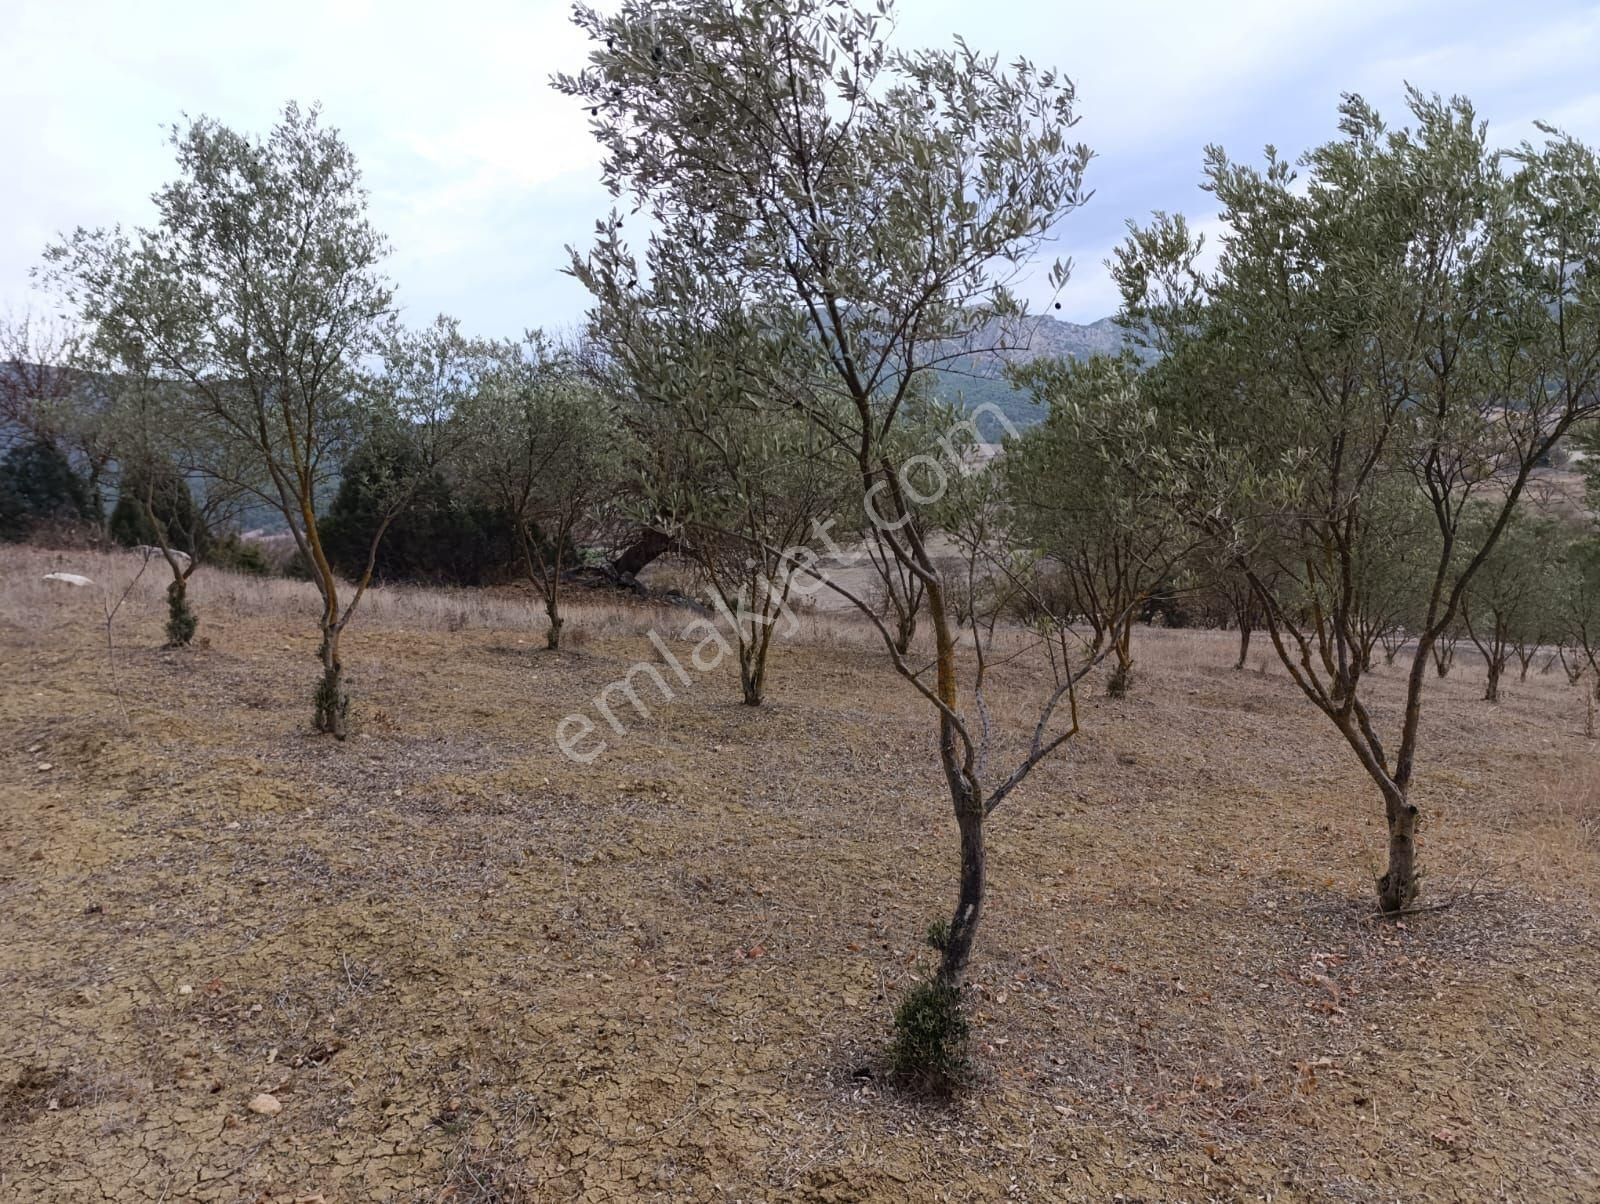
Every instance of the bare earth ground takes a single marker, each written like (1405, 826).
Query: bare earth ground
(472, 970)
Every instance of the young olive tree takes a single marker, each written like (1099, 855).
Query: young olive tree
(177, 491)
(769, 479)
(259, 290)
(1223, 597)
(1389, 567)
(543, 447)
(1501, 608)
(736, 469)
(1576, 617)
(1536, 633)
(1243, 608)
(869, 207)
(1418, 314)
(1115, 540)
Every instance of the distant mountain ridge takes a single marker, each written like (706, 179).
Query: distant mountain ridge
(978, 380)
(1045, 335)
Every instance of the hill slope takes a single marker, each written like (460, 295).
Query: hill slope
(978, 380)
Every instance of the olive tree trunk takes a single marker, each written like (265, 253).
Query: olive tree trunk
(333, 704)
(957, 949)
(752, 671)
(1121, 678)
(1444, 656)
(181, 620)
(905, 630)
(552, 635)
(1398, 885)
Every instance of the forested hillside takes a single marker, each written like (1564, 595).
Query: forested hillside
(979, 380)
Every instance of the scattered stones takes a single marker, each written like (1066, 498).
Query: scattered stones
(265, 1105)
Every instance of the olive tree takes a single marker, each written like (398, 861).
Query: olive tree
(1501, 609)
(544, 448)
(259, 289)
(870, 207)
(1417, 313)
(1576, 617)
(177, 491)
(729, 463)
(1115, 540)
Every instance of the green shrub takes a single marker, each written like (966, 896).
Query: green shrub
(38, 488)
(232, 553)
(438, 539)
(333, 705)
(296, 567)
(929, 1051)
(173, 503)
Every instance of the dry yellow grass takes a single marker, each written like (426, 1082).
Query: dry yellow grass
(471, 970)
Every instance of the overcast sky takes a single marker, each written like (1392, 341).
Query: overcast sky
(481, 174)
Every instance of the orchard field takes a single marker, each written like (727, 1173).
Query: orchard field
(467, 969)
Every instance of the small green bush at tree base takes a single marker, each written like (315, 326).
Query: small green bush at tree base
(929, 1052)
(181, 621)
(333, 707)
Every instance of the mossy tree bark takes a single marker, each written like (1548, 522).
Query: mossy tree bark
(181, 620)
(332, 702)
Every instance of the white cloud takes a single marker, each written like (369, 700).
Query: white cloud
(1152, 70)
(449, 111)
(481, 173)
(1484, 60)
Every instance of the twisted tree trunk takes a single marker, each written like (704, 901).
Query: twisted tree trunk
(552, 635)
(1398, 886)
(1121, 678)
(957, 948)
(752, 672)
(647, 546)
(181, 620)
(333, 704)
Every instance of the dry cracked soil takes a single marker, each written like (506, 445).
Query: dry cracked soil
(468, 969)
